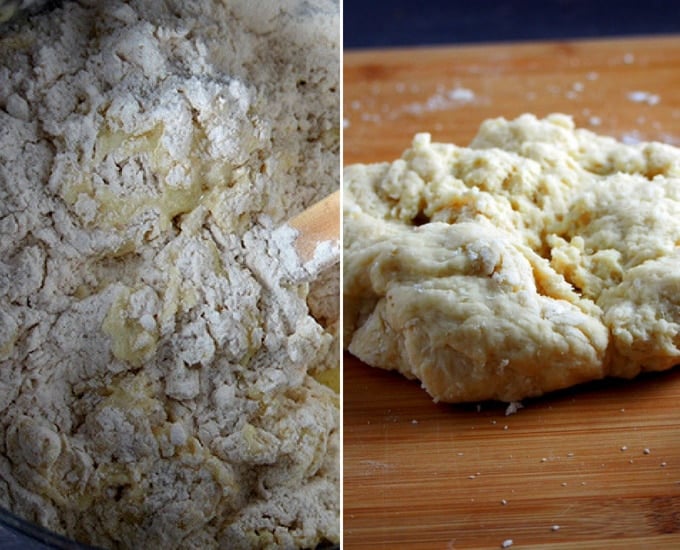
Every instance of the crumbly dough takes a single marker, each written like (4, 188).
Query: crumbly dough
(539, 257)
(160, 369)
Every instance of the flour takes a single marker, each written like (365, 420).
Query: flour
(443, 100)
(326, 253)
(158, 375)
(639, 96)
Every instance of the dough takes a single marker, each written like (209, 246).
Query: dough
(539, 257)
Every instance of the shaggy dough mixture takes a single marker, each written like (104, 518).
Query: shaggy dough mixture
(540, 257)
(159, 368)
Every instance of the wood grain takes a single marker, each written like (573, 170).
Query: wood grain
(600, 462)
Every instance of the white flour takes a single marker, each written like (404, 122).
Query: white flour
(155, 360)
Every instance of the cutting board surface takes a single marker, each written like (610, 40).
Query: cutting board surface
(596, 466)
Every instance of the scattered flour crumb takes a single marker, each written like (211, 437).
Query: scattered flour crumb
(631, 138)
(371, 117)
(640, 96)
(462, 94)
(507, 543)
(513, 407)
(442, 100)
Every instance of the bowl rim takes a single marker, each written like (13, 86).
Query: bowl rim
(37, 533)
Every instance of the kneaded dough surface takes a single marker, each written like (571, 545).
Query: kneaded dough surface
(537, 258)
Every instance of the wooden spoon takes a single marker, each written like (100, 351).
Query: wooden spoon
(318, 225)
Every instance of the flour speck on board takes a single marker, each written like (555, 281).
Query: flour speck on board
(640, 96)
(461, 94)
(442, 100)
(513, 407)
(161, 380)
(631, 138)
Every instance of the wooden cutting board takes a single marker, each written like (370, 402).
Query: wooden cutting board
(593, 467)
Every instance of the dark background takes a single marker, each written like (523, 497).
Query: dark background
(383, 23)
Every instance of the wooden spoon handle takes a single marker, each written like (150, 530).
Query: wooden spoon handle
(318, 224)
